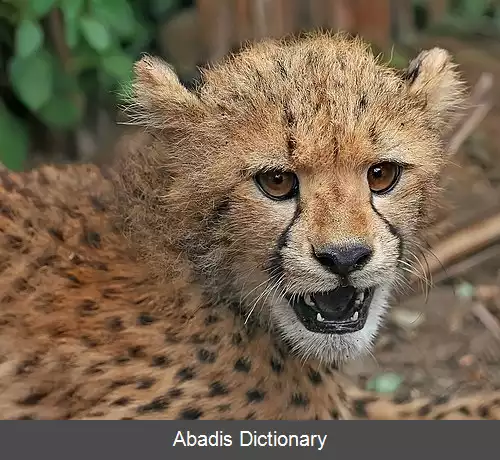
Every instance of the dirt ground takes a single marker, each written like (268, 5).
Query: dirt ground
(438, 343)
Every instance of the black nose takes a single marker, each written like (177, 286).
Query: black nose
(344, 259)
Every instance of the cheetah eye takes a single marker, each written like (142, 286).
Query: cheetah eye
(278, 185)
(382, 177)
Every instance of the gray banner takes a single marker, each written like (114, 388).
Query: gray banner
(168, 440)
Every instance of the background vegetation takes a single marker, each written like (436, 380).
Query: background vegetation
(63, 60)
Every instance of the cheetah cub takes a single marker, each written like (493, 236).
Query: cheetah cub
(296, 181)
(243, 244)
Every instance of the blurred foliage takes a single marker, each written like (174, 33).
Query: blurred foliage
(464, 17)
(62, 59)
(57, 56)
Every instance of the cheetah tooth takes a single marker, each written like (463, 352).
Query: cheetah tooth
(319, 317)
(355, 316)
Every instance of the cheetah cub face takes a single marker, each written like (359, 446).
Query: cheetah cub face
(295, 182)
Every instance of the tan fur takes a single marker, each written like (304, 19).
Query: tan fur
(91, 329)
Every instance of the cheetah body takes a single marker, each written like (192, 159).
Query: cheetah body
(94, 327)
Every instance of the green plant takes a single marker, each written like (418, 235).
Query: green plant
(59, 57)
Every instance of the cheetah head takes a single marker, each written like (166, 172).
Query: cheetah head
(294, 182)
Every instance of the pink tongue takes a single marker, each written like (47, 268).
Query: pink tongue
(335, 305)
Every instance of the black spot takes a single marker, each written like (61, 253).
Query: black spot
(89, 341)
(289, 118)
(145, 319)
(211, 319)
(372, 132)
(136, 352)
(214, 339)
(160, 361)
(424, 410)
(276, 365)
(175, 393)
(92, 239)
(87, 307)
(115, 324)
(33, 398)
(314, 377)
(363, 102)
(236, 339)
(243, 365)
(97, 204)
(122, 359)
(291, 143)
(255, 395)
(121, 401)
(402, 398)
(73, 278)
(145, 383)
(483, 411)
(197, 339)
(206, 356)
(299, 399)
(109, 293)
(156, 405)
(250, 416)
(217, 389)
(14, 241)
(185, 374)
(334, 414)
(27, 366)
(224, 407)
(190, 414)
(359, 406)
(119, 383)
(439, 400)
(99, 266)
(464, 410)
(95, 369)
(57, 234)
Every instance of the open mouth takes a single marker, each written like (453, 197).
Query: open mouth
(340, 311)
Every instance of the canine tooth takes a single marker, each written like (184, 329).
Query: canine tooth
(308, 300)
(319, 317)
(355, 316)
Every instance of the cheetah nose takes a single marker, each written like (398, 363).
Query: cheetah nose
(343, 259)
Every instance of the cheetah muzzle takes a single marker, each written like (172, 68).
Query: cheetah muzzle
(339, 311)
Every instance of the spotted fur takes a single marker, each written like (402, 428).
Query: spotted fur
(121, 291)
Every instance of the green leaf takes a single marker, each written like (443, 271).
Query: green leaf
(29, 38)
(60, 112)
(161, 8)
(32, 78)
(41, 7)
(473, 9)
(118, 66)
(117, 13)
(384, 383)
(72, 9)
(15, 140)
(96, 33)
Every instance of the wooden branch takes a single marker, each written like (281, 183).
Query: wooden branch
(479, 106)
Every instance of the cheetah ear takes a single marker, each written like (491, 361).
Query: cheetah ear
(433, 78)
(158, 98)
